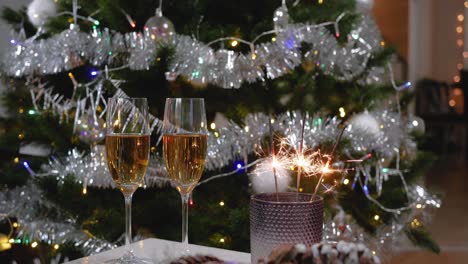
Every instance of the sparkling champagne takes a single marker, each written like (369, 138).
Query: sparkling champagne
(127, 159)
(185, 155)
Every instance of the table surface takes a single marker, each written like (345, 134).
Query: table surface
(163, 251)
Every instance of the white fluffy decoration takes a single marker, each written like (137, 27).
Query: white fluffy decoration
(40, 10)
(366, 123)
(263, 180)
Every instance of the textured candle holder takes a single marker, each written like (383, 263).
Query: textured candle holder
(291, 219)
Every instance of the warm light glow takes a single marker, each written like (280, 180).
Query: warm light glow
(466, 4)
(15, 224)
(213, 126)
(21, 110)
(456, 78)
(459, 42)
(11, 241)
(274, 163)
(342, 112)
(459, 29)
(415, 223)
(272, 121)
(376, 217)
(254, 56)
(460, 17)
(465, 54)
(85, 191)
(301, 162)
(221, 203)
(16, 160)
(346, 181)
(382, 43)
(459, 66)
(457, 92)
(300, 189)
(246, 128)
(34, 244)
(452, 103)
(216, 134)
(326, 169)
(419, 206)
(320, 2)
(273, 39)
(221, 240)
(20, 136)
(56, 246)
(234, 43)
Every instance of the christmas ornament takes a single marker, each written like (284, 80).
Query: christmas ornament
(366, 123)
(160, 28)
(91, 129)
(415, 124)
(263, 178)
(40, 10)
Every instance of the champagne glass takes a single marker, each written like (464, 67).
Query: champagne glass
(127, 153)
(184, 147)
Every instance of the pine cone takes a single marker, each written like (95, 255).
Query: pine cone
(197, 259)
(323, 253)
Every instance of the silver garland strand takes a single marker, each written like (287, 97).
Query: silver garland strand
(34, 212)
(200, 63)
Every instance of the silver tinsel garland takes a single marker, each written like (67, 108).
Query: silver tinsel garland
(41, 220)
(200, 63)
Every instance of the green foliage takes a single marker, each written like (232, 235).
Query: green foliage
(421, 237)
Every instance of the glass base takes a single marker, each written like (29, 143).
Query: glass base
(130, 258)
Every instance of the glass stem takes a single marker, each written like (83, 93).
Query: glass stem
(185, 203)
(128, 220)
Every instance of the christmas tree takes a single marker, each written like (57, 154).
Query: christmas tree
(266, 70)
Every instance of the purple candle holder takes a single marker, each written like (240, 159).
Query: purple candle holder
(291, 219)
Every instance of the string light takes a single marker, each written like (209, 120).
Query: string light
(85, 191)
(459, 42)
(20, 136)
(34, 244)
(466, 4)
(452, 103)
(459, 29)
(376, 217)
(460, 17)
(56, 246)
(234, 43)
(221, 240)
(342, 112)
(456, 78)
(419, 206)
(221, 203)
(346, 181)
(16, 160)
(213, 126)
(415, 223)
(15, 225)
(21, 110)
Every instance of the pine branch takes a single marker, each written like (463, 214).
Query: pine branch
(421, 237)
